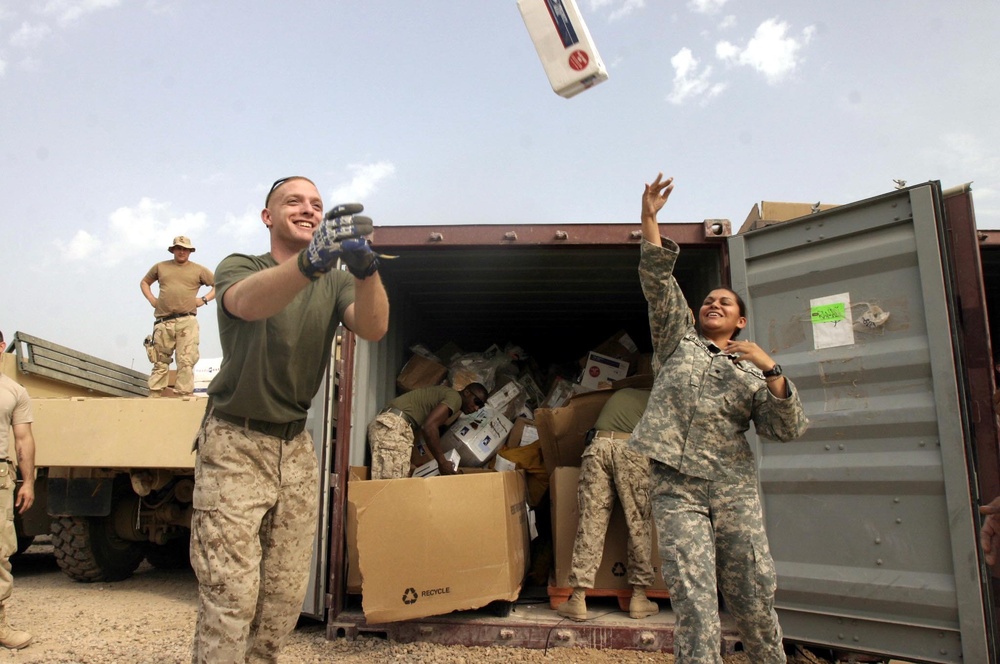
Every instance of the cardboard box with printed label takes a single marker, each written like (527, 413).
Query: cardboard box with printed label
(427, 547)
(508, 399)
(564, 45)
(601, 370)
(613, 572)
(477, 437)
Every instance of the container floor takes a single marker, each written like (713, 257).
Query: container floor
(530, 622)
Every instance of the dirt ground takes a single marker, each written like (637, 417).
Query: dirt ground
(149, 618)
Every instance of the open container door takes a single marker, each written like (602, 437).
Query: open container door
(870, 515)
(321, 423)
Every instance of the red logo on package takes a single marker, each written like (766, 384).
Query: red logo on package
(578, 60)
(595, 372)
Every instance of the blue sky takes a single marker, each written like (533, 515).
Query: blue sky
(127, 122)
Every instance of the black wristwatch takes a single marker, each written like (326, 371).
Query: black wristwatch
(205, 300)
(773, 371)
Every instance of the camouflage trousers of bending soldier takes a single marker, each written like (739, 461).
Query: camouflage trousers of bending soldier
(610, 471)
(712, 538)
(255, 509)
(8, 537)
(390, 438)
(179, 336)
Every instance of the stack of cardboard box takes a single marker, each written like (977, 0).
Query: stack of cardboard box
(430, 545)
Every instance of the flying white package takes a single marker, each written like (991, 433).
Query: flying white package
(564, 45)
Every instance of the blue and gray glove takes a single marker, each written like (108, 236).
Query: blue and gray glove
(359, 258)
(340, 224)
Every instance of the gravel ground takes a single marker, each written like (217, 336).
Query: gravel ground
(149, 618)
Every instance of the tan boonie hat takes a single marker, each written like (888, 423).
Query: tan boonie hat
(181, 241)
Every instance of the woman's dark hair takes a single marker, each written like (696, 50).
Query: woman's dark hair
(739, 303)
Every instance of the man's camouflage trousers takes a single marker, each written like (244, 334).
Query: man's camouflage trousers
(390, 438)
(611, 471)
(179, 337)
(255, 509)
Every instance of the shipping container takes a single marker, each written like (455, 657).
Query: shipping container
(871, 515)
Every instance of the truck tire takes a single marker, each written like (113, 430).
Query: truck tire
(174, 554)
(87, 549)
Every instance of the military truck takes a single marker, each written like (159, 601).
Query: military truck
(114, 468)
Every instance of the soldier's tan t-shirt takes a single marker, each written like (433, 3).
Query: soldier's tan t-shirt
(179, 284)
(419, 403)
(16, 409)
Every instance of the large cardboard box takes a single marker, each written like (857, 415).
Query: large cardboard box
(767, 213)
(562, 431)
(477, 437)
(613, 573)
(355, 474)
(430, 546)
(420, 371)
(564, 45)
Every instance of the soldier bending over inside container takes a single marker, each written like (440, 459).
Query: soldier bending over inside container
(611, 470)
(709, 387)
(393, 432)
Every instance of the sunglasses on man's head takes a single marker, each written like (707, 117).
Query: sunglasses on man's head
(277, 183)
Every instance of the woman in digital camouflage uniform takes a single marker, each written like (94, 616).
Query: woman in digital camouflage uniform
(709, 387)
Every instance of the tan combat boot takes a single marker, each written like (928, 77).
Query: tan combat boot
(639, 606)
(575, 608)
(14, 639)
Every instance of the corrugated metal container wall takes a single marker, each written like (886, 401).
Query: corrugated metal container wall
(869, 515)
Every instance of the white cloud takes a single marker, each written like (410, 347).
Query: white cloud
(706, 6)
(3, 67)
(82, 246)
(246, 226)
(133, 230)
(67, 11)
(29, 36)
(770, 52)
(621, 8)
(365, 181)
(728, 21)
(689, 82)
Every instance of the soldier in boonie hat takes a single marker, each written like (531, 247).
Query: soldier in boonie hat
(176, 333)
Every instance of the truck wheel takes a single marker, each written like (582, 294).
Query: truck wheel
(87, 549)
(175, 554)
